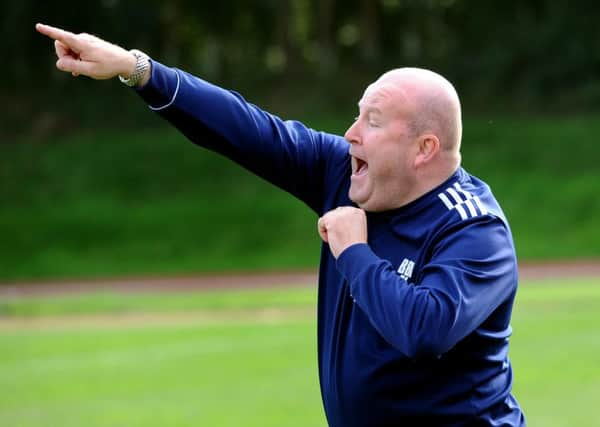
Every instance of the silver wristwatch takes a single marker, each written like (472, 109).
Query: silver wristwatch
(142, 64)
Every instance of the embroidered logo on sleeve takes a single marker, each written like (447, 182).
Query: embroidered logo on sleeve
(406, 269)
(467, 205)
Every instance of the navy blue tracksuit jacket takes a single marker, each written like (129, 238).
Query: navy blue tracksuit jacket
(413, 327)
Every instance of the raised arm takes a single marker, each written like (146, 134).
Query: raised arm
(285, 153)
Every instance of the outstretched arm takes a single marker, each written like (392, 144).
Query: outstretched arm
(87, 55)
(286, 153)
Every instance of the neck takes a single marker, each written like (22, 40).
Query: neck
(431, 177)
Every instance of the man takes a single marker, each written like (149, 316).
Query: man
(418, 270)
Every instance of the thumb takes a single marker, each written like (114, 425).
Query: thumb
(322, 230)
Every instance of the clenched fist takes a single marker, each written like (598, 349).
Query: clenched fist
(343, 227)
(89, 55)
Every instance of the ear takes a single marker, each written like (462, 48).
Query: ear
(428, 146)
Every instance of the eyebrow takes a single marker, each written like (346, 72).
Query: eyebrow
(370, 109)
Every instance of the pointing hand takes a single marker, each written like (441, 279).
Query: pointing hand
(88, 55)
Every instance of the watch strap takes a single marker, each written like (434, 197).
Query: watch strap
(142, 64)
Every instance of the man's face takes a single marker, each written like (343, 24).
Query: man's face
(382, 148)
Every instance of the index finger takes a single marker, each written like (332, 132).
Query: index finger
(66, 37)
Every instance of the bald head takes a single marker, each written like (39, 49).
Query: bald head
(434, 102)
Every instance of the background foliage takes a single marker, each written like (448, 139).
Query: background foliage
(535, 55)
(91, 183)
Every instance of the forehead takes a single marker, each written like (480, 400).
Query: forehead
(384, 96)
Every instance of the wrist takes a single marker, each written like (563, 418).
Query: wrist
(354, 259)
(137, 69)
(129, 61)
(351, 248)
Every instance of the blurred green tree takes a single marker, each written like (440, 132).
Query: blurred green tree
(535, 55)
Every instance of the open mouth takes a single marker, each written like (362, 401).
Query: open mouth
(359, 166)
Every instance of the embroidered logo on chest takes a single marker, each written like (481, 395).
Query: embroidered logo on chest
(406, 269)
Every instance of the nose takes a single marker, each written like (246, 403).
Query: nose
(352, 135)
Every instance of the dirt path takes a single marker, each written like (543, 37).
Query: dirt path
(160, 284)
(527, 271)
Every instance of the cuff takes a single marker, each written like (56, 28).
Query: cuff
(354, 259)
(162, 88)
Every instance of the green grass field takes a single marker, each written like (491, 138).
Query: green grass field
(114, 203)
(248, 358)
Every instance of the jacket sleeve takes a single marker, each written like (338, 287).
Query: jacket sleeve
(471, 272)
(285, 153)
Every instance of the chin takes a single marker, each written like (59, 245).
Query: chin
(369, 205)
(363, 204)
(364, 199)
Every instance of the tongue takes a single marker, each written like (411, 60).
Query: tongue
(362, 167)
